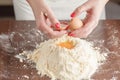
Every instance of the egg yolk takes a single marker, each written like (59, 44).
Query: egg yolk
(67, 44)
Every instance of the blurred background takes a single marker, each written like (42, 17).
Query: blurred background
(112, 9)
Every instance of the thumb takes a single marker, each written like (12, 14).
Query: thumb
(79, 10)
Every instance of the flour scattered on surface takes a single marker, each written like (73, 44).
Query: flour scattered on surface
(25, 76)
(20, 57)
(114, 78)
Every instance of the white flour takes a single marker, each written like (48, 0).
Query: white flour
(61, 63)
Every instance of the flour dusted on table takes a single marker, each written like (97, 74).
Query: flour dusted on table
(66, 58)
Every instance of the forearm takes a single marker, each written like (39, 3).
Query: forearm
(37, 6)
(106, 1)
(102, 2)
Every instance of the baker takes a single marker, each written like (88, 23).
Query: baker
(47, 13)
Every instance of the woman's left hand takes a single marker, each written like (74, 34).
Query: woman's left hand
(93, 8)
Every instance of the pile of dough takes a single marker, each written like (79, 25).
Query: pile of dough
(66, 58)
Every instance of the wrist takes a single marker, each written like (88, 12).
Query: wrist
(37, 6)
(104, 1)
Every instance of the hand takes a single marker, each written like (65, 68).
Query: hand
(93, 8)
(45, 18)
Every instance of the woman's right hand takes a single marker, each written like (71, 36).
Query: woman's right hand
(45, 19)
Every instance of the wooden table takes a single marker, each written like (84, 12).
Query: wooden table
(22, 35)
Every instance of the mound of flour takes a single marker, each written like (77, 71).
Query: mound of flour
(62, 63)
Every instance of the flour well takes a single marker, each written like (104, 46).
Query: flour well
(78, 62)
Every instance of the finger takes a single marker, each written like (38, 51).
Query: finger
(41, 23)
(79, 10)
(77, 33)
(46, 19)
(55, 23)
(45, 15)
(48, 30)
(91, 20)
(81, 33)
(88, 27)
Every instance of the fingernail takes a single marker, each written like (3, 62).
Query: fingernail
(73, 14)
(57, 25)
(71, 34)
(67, 28)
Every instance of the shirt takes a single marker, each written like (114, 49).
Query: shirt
(62, 9)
